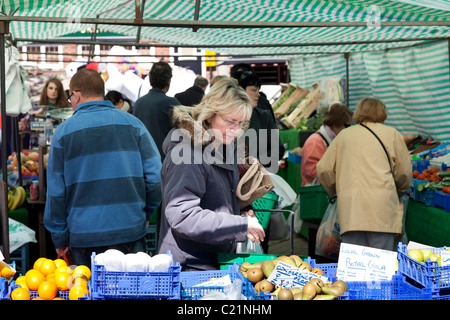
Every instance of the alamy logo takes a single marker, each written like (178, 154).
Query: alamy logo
(73, 18)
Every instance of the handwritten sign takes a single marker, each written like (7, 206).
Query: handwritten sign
(291, 277)
(360, 263)
(445, 258)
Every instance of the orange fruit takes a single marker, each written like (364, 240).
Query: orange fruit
(47, 290)
(7, 272)
(58, 298)
(60, 263)
(82, 271)
(63, 281)
(38, 262)
(64, 269)
(21, 281)
(20, 294)
(77, 292)
(50, 277)
(47, 266)
(34, 279)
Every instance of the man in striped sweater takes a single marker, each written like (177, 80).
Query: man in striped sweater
(103, 176)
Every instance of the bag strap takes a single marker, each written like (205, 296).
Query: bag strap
(324, 139)
(384, 148)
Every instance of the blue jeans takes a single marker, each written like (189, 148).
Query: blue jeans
(82, 256)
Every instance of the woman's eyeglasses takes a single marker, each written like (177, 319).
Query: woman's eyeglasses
(234, 124)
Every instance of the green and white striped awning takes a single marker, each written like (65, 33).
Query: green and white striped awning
(397, 50)
(262, 27)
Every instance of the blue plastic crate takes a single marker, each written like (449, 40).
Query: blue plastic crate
(396, 289)
(442, 200)
(427, 274)
(189, 279)
(329, 269)
(3, 289)
(420, 165)
(294, 157)
(118, 285)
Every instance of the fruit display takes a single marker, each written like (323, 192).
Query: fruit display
(52, 280)
(16, 197)
(316, 289)
(29, 163)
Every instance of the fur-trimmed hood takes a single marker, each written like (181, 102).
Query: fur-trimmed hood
(181, 118)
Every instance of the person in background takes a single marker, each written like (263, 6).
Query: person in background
(261, 119)
(201, 216)
(263, 102)
(194, 94)
(103, 176)
(338, 118)
(53, 95)
(119, 101)
(367, 181)
(154, 107)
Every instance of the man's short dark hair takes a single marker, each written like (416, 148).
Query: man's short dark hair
(201, 82)
(160, 75)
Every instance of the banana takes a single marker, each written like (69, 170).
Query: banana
(24, 195)
(9, 200)
(18, 198)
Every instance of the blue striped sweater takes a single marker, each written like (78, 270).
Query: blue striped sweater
(103, 178)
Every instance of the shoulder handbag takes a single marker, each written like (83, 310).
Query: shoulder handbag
(384, 148)
(254, 182)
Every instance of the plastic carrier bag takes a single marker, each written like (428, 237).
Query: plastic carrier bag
(328, 238)
(250, 247)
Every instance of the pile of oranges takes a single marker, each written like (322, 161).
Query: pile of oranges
(49, 277)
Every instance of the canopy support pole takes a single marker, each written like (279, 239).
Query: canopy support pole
(138, 34)
(196, 14)
(347, 57)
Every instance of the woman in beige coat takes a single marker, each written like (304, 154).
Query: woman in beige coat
(356, 169)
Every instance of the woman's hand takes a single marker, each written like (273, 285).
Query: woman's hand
(250, 213)
(255, 231)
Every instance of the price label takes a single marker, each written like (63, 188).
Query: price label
(360, 263)
(291, 277)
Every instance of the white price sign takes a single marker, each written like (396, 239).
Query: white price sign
(360, 263)
(291, 277)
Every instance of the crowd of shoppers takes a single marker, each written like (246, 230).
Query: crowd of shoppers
(114, 163)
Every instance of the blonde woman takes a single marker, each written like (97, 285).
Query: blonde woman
(200, 214)
(367, 180)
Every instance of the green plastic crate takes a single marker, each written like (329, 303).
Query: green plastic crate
(226, 259)
(267, 201)
(314, 202)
